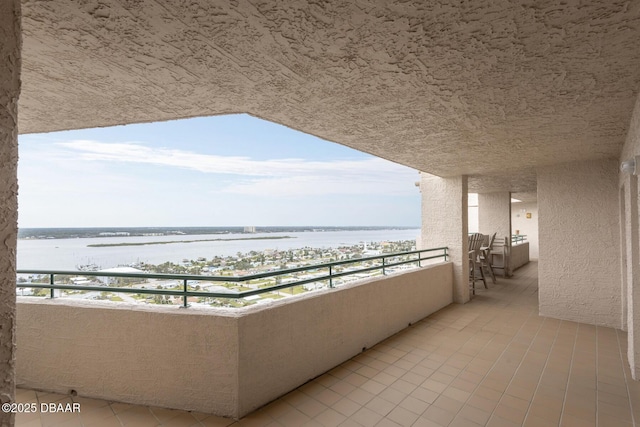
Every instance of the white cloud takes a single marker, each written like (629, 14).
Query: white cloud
(274, 177)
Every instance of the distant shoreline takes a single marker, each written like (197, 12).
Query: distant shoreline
(104, 232)
(104, 245)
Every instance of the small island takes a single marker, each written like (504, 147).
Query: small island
(104, 245)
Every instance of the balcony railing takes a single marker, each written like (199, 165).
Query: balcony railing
(327, 272)
(518, 238)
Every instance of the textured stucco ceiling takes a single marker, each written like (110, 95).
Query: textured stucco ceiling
(448, 87)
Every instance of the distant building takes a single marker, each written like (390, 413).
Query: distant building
(126, 270)
(249, 229)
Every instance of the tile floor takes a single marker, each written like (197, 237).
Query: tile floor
(493, 362)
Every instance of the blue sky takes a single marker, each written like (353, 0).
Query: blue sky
(211, 171)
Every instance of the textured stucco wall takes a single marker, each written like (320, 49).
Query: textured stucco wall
(630, 198)
(494, 216)
(526, 226)
(285, 346)
(494, 213)
(157, 356)
(579, 236)
(444, 223)
(218, 361)
(629, 269)
(9, 93)
(447, 87)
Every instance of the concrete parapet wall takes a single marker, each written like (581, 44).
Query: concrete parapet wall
(160, 356)
(519, 255)
(226, 362)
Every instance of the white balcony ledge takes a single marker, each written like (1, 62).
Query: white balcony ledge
(219, 361)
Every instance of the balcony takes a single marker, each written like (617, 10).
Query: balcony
(493, 362)
(224, 361)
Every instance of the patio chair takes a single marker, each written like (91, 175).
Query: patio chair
(475, 243)
(485, 257)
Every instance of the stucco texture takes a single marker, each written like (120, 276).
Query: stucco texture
(9, 93)
(226, 362)
(434, 85)
(630, 199)
(494, 213)
(579, 243)
(444, 224)
(172, 358)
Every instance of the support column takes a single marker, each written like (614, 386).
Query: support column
(579, 274)
(10, 49)
(494, 216)
(631, 277)
(444, 223)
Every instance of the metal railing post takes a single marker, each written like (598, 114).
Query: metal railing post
(367, 264)
(330, 277)
(185, 303)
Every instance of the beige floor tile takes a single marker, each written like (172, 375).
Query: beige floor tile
(426, 395)
(312, 388)
(215, 421)
(346, 407)
(311, 407)
(569, 420)
(424, 422)
(380, 406)
(508, 413)
(457, 394)
(138, 416)
(474, 414)
(402, 416)
(493, 362)
(330, 418)
(96, 415)
(393, 396)
(361, 396)
(373, 387)
(366, 417)
(463, 422)
(292, 418)
(26, 417)
(438, 415)
(105, 422)
(343, 387)
(328, 397)
(414, 405)
(256, 419)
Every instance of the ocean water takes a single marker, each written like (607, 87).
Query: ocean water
(68, 254)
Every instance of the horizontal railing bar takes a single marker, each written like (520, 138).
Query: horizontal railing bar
(212, 294)
(130, 290)
(219, 278)
(226, 279)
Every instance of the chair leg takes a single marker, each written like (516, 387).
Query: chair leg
(486, 262)
(493, 274)
(483, 279)
(472, 276)
(486, 265)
